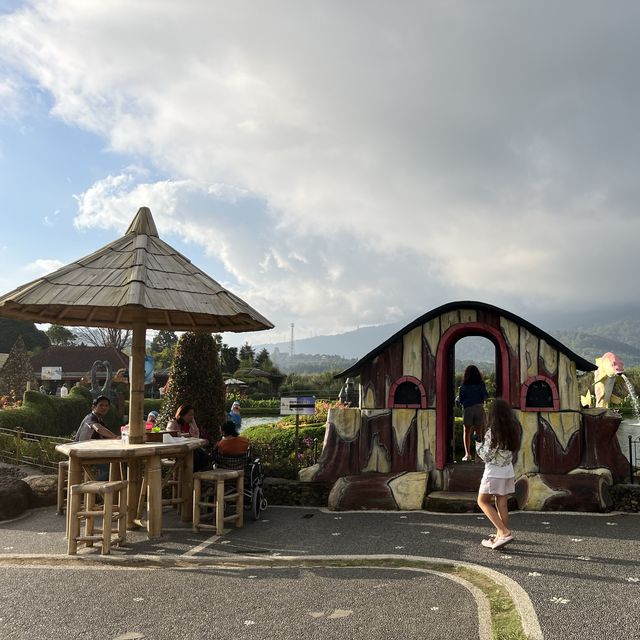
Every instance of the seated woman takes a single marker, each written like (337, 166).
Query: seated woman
(232, 444)
(184, 424)
(231, 451)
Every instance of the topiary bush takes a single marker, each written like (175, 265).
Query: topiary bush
(53, 416)
(196, 379)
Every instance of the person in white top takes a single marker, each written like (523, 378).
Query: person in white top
(501, 441)
(64, 392)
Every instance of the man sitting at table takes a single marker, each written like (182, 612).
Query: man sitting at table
(92, 426)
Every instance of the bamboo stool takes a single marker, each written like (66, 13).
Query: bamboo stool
(172, 477)
(218, 476)
(108, 511)
(63, 474)
(116, 472)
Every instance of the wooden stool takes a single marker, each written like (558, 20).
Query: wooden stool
(173, 480)
(91, 489)
(218, 476)
(171, 477)
(63, 474)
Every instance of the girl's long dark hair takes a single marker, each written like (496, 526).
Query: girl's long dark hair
(505, 428)
(472, 375)
(182, 410)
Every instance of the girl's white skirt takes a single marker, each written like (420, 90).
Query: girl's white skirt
(498, 486)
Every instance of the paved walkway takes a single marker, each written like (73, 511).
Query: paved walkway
(581, 572)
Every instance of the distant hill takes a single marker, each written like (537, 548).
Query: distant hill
(352, 344)
(591, 346)
(622, 336)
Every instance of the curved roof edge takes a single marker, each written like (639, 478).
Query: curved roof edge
(581, 363)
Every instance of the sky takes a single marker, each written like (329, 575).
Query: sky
(335, 164)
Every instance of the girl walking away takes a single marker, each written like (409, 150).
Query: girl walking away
(472, 395)
(497, 450)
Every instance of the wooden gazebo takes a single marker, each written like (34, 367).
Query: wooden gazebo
(135, 282)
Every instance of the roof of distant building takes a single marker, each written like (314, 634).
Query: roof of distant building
(78, 360)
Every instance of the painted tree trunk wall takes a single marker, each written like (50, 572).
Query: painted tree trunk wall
(555, 444)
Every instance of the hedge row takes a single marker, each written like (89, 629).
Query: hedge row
(54, 416)
(275, 445)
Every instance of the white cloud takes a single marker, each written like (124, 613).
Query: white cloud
(10, 98)
(42, 266)
(350, 164)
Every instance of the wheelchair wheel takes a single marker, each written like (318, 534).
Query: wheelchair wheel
(256, 502)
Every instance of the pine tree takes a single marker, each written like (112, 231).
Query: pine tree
(196, 379)
(247, 356)
(16, 372)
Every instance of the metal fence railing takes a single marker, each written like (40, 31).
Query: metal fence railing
(21, 447)
(634, 458)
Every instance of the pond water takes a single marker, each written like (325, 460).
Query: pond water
(628, 427)
(254, 421)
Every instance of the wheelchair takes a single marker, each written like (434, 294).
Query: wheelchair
(253, 479)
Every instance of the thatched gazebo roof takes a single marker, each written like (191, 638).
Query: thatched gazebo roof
(136, 282)
(138, 272)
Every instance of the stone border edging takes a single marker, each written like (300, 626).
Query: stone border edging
(522, 603)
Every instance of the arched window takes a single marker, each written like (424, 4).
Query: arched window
(539, 393)
(407, 393)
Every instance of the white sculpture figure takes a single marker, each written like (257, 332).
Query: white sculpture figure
(609, 367)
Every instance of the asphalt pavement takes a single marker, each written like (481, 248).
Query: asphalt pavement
(580, 572)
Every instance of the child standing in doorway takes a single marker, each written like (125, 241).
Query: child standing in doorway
(497, 450)
(471, 396)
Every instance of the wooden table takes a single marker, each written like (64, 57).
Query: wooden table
(92, 452)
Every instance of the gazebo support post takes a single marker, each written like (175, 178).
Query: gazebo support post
(136, 397)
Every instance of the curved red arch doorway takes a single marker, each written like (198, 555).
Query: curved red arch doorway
(444, 373)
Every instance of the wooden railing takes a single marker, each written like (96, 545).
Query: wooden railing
(33, 449)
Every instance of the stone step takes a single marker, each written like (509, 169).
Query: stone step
(463, 476)
(452, 502)
(458, 502)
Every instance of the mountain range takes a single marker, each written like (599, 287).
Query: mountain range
(622, 336)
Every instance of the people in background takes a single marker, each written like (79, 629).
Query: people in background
(64, 390)
(151, 419)
(471, 396)
(234, 415)
(500, 443)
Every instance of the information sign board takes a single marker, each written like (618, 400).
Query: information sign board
(51, 373)
(298, 406)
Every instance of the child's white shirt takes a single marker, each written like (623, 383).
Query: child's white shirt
(498, 463)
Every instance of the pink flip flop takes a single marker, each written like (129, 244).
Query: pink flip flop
(501, 542)
(487, 543)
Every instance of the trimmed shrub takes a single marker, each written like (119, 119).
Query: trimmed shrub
(196, 379)
(54, 416)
